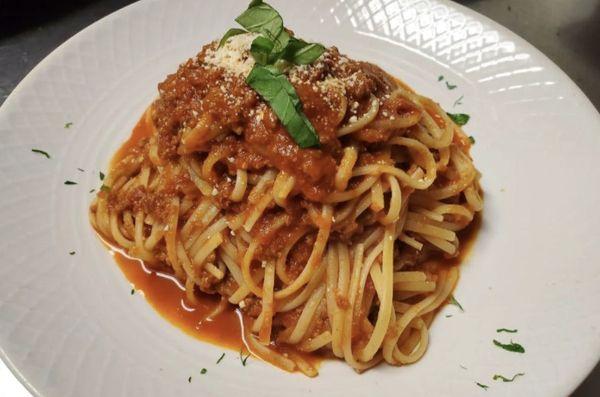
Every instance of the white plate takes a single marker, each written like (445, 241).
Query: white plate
(69, 326)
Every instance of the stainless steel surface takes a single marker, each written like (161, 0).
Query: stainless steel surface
(567, 31)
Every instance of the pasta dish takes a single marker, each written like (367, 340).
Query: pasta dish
(316, 195)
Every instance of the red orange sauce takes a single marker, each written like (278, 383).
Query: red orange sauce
(167, 296)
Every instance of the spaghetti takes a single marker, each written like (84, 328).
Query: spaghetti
(343, 248)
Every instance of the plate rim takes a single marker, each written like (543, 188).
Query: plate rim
(502, 30)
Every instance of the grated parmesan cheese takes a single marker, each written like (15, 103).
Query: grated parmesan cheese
(234, 56)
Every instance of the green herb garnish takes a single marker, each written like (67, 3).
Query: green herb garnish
(41, 152)
(70, 183)
(511, 347)
(448, 315)
(459, 118)
(101, 175)
(281, 96)
(450, 86)
(484, 387)
(203, 371)
(454, 302)
(220, 358)
(512, 331)
(92, 190)
(242, 358)
(105, 188)
(190, 379)
(80, 169)
(462, 366)
(68, 125)
(260, 49)
(261, 18)
(300, 52)
(132, 291)
(471, 139)
(273, 50)
(72, 253)
(230, 33)
(440, 77)
(505, 379)
(458, 101)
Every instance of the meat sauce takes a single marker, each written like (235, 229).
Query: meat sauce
(246, 132)
(201, 97)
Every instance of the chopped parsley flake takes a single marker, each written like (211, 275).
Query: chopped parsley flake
(462, 366)
(70, 183)
(132, 291)
(458, 101)
(190, 379)
(454, 302)
(484, 387)
(511, 347)
(203, 371)
(242, 358)
(220, 358)
(472, 140)
(80, 169)
(505, 379)
(105, 188)
(101, 175)
(92, 190)
(512, 331)
(459, 118)
(41, 152)
(448, 315)
(68, 125)
(440, 77)
(450, 86)
(72, 253)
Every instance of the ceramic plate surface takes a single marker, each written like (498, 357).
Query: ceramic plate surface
(69, 326)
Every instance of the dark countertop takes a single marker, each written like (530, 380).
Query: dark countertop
(566, 31)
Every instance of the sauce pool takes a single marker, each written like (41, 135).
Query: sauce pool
(167, 296)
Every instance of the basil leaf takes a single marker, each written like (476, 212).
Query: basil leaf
(281, 42)
(459, 118)
(511, 347)
(308, 54)
(254, 3)
(280, 46)
(261, 49)
(230, 33)
(293, 46)
(283, 99)
(262, 18)
(277, 68)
